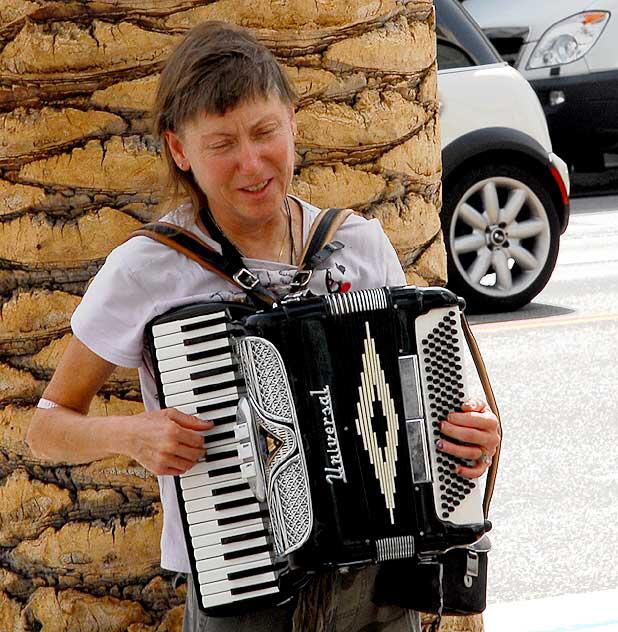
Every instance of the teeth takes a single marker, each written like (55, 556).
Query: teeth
(257, 187)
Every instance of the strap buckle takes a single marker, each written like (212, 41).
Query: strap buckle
(246, 279)
(301, 279)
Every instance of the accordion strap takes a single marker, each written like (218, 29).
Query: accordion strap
(491, 400)
(194, 248)
(229, 265)
(319, 245)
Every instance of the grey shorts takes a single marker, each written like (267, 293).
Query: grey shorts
(354, 612)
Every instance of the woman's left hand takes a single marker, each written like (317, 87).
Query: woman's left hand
(477, 426)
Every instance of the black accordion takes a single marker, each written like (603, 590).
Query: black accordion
(327, 412)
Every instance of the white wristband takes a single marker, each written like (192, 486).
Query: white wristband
(47, 403)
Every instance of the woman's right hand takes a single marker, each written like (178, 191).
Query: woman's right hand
(166, 442)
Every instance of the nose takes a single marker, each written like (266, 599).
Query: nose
(249, 158)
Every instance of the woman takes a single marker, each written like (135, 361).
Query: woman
(225, 111)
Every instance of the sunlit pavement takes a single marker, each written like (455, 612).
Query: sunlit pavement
(593, 612)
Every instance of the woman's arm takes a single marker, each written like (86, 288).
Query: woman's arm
(164, 441)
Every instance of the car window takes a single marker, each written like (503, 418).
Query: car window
(452, 56)
(461, 43)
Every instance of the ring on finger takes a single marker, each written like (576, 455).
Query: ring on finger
(485, 458)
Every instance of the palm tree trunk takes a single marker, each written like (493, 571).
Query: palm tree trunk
(79, 170)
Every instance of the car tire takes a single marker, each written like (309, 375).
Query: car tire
(502, 236)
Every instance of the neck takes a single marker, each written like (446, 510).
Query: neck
(273, 240)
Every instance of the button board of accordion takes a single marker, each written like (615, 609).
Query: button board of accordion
(440, 347)
(193, 322)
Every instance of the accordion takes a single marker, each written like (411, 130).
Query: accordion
(327, 412)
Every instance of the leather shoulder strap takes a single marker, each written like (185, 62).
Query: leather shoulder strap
(198, 250)
(491, 400)
(319, 245)
(324, 227)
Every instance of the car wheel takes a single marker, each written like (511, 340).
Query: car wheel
(502, 236)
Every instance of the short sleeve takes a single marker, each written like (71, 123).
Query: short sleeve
(113, 313)
(386, 259)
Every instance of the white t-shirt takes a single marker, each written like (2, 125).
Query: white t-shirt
(142, 279)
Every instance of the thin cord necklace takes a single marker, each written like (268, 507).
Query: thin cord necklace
(287, 208)
(291, 231)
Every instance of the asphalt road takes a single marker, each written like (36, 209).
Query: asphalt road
(553, 366)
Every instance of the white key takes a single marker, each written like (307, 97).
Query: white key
(169, 328)
(204, 528)
(189, 397)
(218, 550)
(181, 362)
(224, 402)
(179, 375)
(208, 515)
(211, 539)
(222, 598)
(212, 563)
(228, 584)
(189, 385)
(209, 491)
(181, 350)
(219, 413)
(209, 502)
(180, 337)
(201, 479)
(218, 436)
(216, 575)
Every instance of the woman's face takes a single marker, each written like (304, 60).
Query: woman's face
(242, 160)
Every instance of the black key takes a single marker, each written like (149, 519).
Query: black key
(203, 323)
(234, 555)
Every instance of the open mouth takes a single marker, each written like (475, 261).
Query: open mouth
(256, 188)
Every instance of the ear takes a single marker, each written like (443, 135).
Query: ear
(292, 115)
(177, 150)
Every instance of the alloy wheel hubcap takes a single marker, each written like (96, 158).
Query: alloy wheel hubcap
(500, 236)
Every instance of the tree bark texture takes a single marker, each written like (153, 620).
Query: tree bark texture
(79, 169)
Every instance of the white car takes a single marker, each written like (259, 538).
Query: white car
(568, 50)
(505, 192)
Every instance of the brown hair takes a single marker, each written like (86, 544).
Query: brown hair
(215, 67)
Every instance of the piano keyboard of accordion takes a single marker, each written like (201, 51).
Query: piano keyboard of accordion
(227, 528)
(371, 375)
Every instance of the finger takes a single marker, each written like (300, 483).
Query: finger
(189, 438)
(472, 472)
(482, 420)
(174, 462)
(474, 404)
(465, 434)
(189, 453)
(471, 453)
(188, 421)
